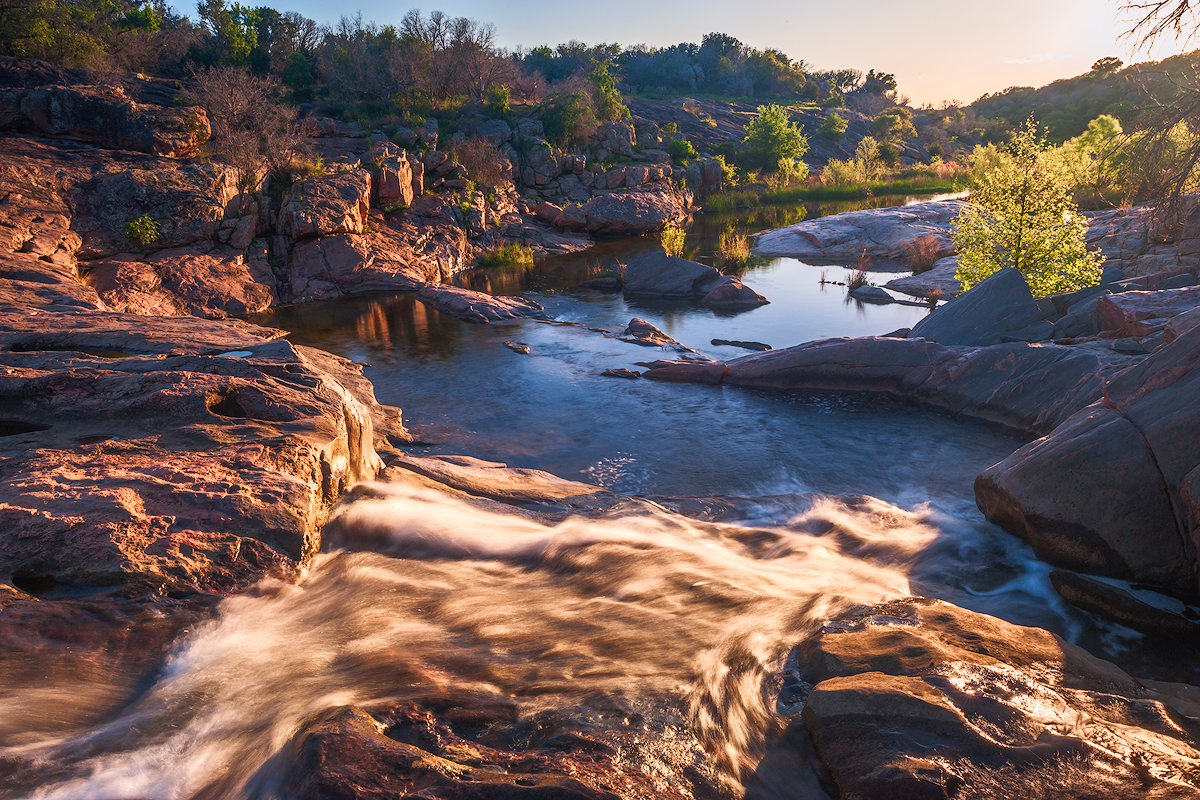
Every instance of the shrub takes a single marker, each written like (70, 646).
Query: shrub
(481, 161)
(143, 230)
(772, 140)
(922, 252)
(733, 251)
(669, 127)
(497, 99)
(681, 150)
(508, 255)
(856, 278)
(834, 127)
(1022, 216)
(834, 100)
(672, 238)
(569, 117)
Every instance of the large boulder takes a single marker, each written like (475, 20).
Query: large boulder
(334, 266)
(882, 233)
(998, 305)
(395, 182)
(661, 275)
(938, 282)
(327, 205)
(636, 212)
(1108, 491)
(921, 699)
(472, 306)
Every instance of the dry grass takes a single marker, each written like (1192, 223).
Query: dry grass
(481, 160)
(922, 253)
(733, 251)
(858, 276)
(672, 239)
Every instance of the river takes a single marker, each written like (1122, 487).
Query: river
(661, 634)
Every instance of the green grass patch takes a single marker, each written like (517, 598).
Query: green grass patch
(509, 255)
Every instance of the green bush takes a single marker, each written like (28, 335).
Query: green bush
(508, 255)
(681, 150)
(672, 239)
(498, 97)
(143, 230)
(834, 127)
(773, 141)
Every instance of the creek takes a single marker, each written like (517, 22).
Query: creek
(660, 633)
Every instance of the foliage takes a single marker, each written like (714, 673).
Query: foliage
(859, 276)
(773, 141)
(863, 168)
(569, 118)
(608, 103)
(1107, 64)
(672, 239)
(498, 97)
(508, 255)
(681, 150)
(1022, 216)
(893, 126)
(834, 127)
(481, 161)
(922, 253)
(733, 251)
(144, 230)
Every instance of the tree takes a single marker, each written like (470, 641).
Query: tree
(1022, 216)
(773, 141)
(1107, 64)
(834, 127)
(893, 126)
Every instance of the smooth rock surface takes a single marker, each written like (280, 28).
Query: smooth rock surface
(472, 306)
(730, 294)
(881, 233)
(939, 281)
(327, 205)
(636, 211)
(998, 305)
(661, 275)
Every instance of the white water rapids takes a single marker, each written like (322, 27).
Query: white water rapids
(683, 624)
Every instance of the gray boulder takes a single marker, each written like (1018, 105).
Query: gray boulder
(730, 294)
(662, 275)
(981, 316)
(873, 295)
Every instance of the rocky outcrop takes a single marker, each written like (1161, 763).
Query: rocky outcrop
(38, 98)
(661, 275)
(1109, 492)
(920, 699)
(1030, 388)
(327, 205)
(169, 454)
(635, 212)
(940, 281)
(1121, 310)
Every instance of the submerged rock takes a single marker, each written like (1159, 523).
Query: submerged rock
(471, 306)
(918, 698)
(873, 295)
(620, 372)
(743, 345)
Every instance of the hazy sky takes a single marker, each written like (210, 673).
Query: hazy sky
(938, 49)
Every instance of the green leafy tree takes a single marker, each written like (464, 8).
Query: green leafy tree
(681, 149)
(1022, 216)
(1107, 64)
(893, 126)
(609, 105)
(773, 142)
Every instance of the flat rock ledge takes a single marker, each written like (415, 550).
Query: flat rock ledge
(171, 455)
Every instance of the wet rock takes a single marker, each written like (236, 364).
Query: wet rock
(919, 698)
(998, 305)
(873, 295)
(661, 275)
(710, 372)
(472, 306)
(333, 266)
(179, 473)
(1134, 450)
(641, 332)
(636, 212)
(518, 347)
(350, 753)
(327, 205)
(494, 480)
(1026, 387)
(939, 281)
(730, 294)
(1119, 310)
(1134, 607)
(632, 374)
(743, 345)
(605, 284)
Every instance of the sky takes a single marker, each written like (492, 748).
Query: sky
(937, 49)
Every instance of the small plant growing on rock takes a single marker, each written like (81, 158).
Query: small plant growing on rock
(508, 255)
(857, 277)
(922, 253)
(681, 150)
(672, 238)
(144, 230)
(733, 251)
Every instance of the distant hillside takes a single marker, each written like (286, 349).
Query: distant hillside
(1066, 106)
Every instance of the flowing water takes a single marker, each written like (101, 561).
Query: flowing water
(660, 632)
